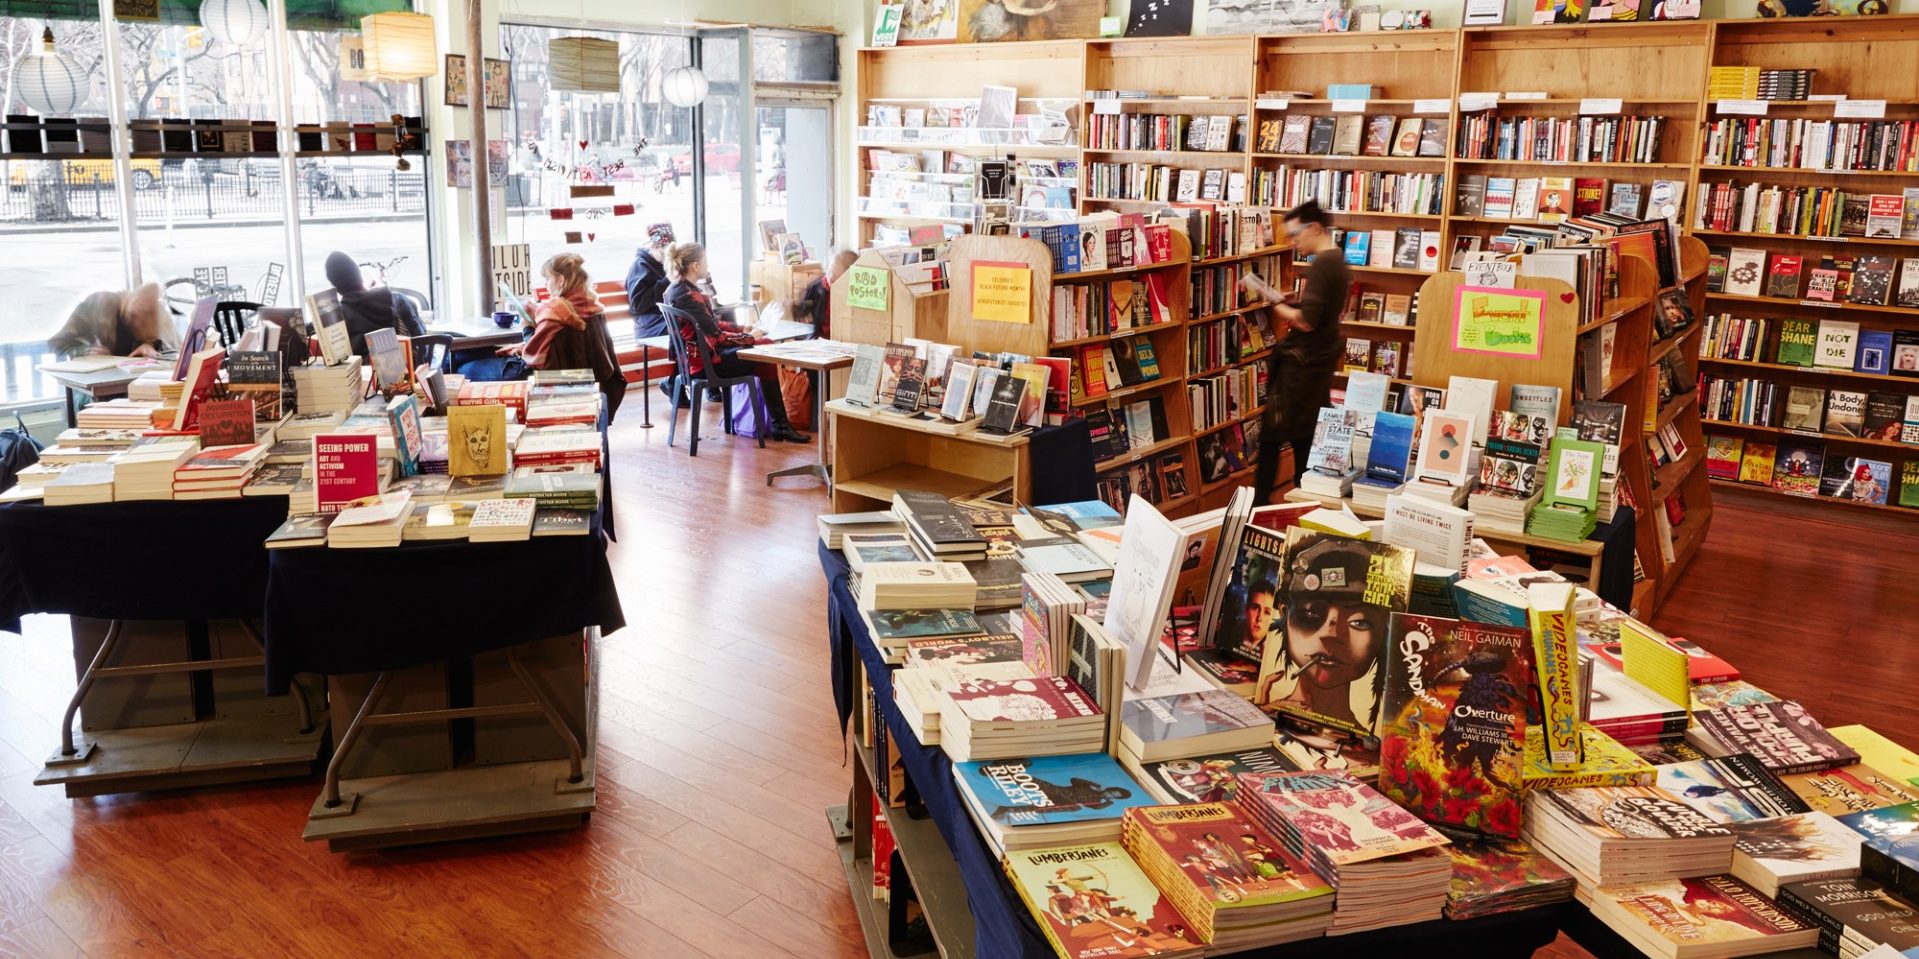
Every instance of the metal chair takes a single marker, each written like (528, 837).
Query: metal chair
(693, 386)
(414, 297)
(433, 349)
(230, 320)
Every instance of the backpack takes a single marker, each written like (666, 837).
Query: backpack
(18, 450)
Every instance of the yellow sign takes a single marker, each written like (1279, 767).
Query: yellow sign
(1003, 292)
(1648, 659)
(1503, 322)
(867, 288)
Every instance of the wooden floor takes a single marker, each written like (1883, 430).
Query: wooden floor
(718, 752)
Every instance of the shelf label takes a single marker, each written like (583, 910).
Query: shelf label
(1525, 94)
(1825, 303)
(1593, 105)
(1106, 106)
(1349, 106)
(1272, 103)
(1432, 106)
(1860, 109)
(1746, 108)
(1471, 102)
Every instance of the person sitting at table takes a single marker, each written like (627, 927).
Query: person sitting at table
(646, 282)
(365, 309)
(117, 323)
(814, 303)
(725, 339)
(567, 334)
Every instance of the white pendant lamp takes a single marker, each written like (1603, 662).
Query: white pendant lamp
(233, 23)
(400, 46)
(684, 86)
(49, 82)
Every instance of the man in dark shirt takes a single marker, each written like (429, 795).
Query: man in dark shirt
(1304, 362)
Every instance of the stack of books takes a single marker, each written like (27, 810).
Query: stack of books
(1380, 858)
(557, 447)
(1493, 876)
(319, 389)
(1561, 522)
(1440, 492)
(1370, 495)
(511, 394)
(942, 529)
(1017, 803)
(1770, 853)
(1496, 512)
(1710, 917)
(435, 522)
(302, 530)
(80, 484)
(1854, 915)
(1331, 485)
(1191, 724)
(123, 414)
(304, 426)
(1780, 734)
(1125, 916)
(916, 586)
(548, 490)
(218, 473)
(1046, 620)
(894, 630)
(1007, 719)
(835, 526)
(1624, 709)
(501, 521)
(146, 471)
(563, 404)
(920, 691)
(379, 521)
(156, 386)
(1231, 880)
(1614, 835)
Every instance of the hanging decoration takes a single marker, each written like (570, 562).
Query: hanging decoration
(49, 82)
(583, 65)
(233, 23)
(400, 46)
(684, 86)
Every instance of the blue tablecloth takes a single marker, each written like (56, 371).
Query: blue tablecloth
(1005, 929)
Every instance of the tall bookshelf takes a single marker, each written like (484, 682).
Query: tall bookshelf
(1192, 79)
(1868, 58)
(1685, 477)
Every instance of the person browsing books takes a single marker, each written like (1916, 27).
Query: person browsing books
(1303, 363)
(568, 334)
(814, 303)
(366, 310)
(646, 282)
(688, 263)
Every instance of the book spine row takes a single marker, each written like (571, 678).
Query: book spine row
(1889, 145)
(1351, 191)
(1783, 210)
(1755, 83)
(1228, 396)
(1216, 288)
(1742, 400)
(1590, 139)
(1728, 337)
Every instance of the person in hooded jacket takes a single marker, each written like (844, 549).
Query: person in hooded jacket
(646, 282)
(365, 309)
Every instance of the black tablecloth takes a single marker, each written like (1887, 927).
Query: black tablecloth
(1061, 458)
(341, 611)
(195, 559)
(1007, 931)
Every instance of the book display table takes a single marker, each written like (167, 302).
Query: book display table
(164, 598)
(969, 906)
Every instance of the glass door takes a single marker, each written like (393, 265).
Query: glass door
(795, 183)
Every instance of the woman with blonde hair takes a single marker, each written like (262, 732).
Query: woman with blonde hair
(687, 261)
(569, 333)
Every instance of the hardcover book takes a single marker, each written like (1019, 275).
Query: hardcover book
(476, 440)
(1798, 340)
(1453, 727)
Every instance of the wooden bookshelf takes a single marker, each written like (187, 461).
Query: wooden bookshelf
(1200, 76)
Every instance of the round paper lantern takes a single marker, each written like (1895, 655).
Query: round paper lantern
(49, 81)
(400, 46)
(684, 87)
(233, 23)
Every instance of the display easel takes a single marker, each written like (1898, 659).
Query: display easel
(1435, 361)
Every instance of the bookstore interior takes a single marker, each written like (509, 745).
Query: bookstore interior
(1262, 457)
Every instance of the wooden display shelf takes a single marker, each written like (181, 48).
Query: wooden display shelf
(1233, 257)
(1662, 347)
(1143, 453)
(1392, 270)
(1234, 155)
(1780, 301)
(1229, 422)
(1806, 237)
(1612, 311)
(929, 862)
(1235, 364)
(1387, 213)
(1788, 368)
(876, 454)
(1826, 500)
(1665, 478)
(1117, 334)
(1236, 311)
(1234, 478)
(1672, 409)
(1600, 164)
(1810, 436)
(1059, 278)
(1157, 101)
(1343, 157)
(1124, 392)
(1388, 327)
(1803, 171)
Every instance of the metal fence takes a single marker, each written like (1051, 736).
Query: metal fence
(42, 192)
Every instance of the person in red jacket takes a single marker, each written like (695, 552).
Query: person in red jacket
(687, 261)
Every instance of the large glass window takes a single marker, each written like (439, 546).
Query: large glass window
(727, 175)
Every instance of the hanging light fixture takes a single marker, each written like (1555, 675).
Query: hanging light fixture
(399, 46)
(49, 81)
(233, 23)
(583, 64)
(684, 86)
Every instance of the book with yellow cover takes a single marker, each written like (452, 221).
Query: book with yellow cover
(476, 440)
(1604, 762)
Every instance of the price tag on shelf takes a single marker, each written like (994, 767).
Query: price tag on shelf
(1470, 102)
(1860, 109)
(1106, 106)
(1349, 106)
(1595, 105)
(1272, 103)
(1432, 106)
(1744, 108)
(1526, 95)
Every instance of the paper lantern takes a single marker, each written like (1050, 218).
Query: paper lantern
(684, 87)
(233, 23)
(400, 46)
(49, 81)
(583, 64)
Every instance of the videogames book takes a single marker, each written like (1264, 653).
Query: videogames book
(1502, 875)
(1602, 762)
(1362, 583)
(1732, 788)
(1211, 858)
(1848, 789)
(1094, 902)
(1768, 853)
(1453, 728)
(1346, 820)
(1209, 779)
(1780, 734)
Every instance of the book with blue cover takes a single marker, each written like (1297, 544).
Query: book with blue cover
(1359, 245)
(1391, 454)
(1050, 790)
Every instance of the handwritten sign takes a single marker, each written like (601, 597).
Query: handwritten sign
(1500, 322)
(1003, 292)
(866, 288)
(1498, 274)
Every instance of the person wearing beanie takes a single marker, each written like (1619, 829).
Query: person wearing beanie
(646, 282)
(368, 310)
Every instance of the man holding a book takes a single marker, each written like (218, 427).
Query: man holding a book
(1308, 353)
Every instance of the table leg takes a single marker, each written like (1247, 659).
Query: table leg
(347, 739)
(819, 469)
(646, 387)
(68, 752)
(73, 408)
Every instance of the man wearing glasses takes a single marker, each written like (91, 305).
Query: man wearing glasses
(1308, 354)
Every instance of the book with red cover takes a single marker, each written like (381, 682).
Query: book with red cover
(226, 423)
(221, 462)
(1023, 700)
(1094, 902)
(1706, 916)
(1492, 876)
(1453, 730)
(1159, 242)
(1589, 196)
(1335, 818)
(1213, 861)
(346, 467)
(1782, 275)
(203, 370)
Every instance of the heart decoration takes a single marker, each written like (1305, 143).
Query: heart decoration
(1565, 297)
(582, 144)
(589, 237)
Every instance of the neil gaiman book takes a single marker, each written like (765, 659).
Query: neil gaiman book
(1453, 728)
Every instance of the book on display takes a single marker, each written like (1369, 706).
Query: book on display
(1032, 803)
(1708, 917)
(1003, 719)
(1493, 876)
(1612, 835)
(1094, 902)
(1733, 788)
(1230, 879)
(1769, 853)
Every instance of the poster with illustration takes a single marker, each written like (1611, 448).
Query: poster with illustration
(1159, 18)
(993, 21)
(1268, 16)
(459, 163)
(929, 21)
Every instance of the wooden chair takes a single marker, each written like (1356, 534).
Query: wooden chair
(692, 387)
